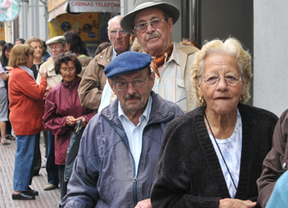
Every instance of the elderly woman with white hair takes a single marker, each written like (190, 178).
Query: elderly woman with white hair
(212, 156)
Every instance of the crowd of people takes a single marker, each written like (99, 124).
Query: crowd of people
(166, 124)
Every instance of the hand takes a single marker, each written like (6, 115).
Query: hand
(70, 121)
(9, 68)
(146, 203)
(236, 203)
(84, 122)
(43, 74)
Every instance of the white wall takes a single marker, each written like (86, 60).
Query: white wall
(32, 20)
(270, 55)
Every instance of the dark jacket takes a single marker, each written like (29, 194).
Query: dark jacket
(189, 173)
(276, 162)
(63, 101)
(104, 172)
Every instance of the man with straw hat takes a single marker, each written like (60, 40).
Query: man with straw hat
(152, 23)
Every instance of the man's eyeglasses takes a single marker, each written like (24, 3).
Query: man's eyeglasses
(155, 23)
(121, 32)
(55, 47)
(230, 79)
(137, 83)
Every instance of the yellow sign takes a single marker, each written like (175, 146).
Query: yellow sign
(86, 24)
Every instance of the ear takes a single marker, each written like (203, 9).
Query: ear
(170, 23)
(243, 87)
(152, 79)
(111, 85)
(135, 33)
(200, 91)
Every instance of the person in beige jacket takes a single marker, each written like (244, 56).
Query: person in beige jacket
(57, 45)
(94, 79)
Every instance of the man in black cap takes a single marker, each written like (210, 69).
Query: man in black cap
(116, 162)
(151, 21)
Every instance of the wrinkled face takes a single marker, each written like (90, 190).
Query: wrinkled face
(56, 49)
(7, 53)
(154, 41)
(37, 49)
(68, 72)
(118, 37)
(133, 100)
(29, 61)
(221, 98)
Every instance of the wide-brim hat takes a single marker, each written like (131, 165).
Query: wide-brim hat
(127, 22)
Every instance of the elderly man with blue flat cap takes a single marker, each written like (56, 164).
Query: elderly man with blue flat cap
(116, 162)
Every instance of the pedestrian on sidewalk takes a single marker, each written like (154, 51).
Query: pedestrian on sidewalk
(57, 45)
(63, 110)
(3, 105)
(26, 106)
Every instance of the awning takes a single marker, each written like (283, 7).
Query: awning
(79, 6)
(61, 9)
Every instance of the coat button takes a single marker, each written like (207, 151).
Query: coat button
(284, 165)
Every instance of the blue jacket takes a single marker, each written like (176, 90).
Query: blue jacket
(104, 172)
(279, 195)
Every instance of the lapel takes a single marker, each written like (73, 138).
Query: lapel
(211, 156)
(246, 154)
(183, 53)
(104, 58)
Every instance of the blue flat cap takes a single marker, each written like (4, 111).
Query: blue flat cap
(129, 61)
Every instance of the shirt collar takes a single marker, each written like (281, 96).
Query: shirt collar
(146, 113)
(174, 55)
(29, 71)
(114, 53)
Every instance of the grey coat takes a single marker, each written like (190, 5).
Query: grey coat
(104, 172)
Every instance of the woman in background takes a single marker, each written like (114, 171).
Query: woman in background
(36, 44)
(4, 61)
(26, 106)
(4, 75)
(75, 45)
(63, 109)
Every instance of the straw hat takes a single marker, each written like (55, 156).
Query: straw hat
(127, 22)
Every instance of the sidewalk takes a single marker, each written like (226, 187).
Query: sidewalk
(46, 199)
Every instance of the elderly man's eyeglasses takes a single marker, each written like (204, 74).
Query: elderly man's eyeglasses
(55, 47)
(155, 23)
(121, 32)
(230, 79)
(137, 83)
